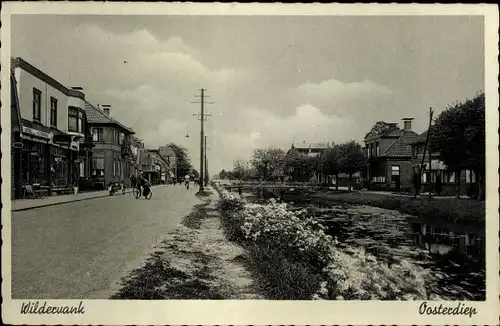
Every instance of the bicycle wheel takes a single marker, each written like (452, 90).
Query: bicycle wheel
(136, 193)
(149, 195)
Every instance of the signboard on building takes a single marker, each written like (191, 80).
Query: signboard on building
(37, 133)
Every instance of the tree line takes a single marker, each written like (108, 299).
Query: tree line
(272, 164)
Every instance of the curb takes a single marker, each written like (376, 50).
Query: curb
(67, 202)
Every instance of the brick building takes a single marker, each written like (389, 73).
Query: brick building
(389, 156)
(113, 158)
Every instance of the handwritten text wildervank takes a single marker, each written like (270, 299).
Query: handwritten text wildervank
(35, 308)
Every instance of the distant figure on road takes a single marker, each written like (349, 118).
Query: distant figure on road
(186, 181)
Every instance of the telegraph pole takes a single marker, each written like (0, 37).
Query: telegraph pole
(425, 149)
(202, 117)
(206, 163)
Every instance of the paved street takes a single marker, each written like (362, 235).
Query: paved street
(82, 249)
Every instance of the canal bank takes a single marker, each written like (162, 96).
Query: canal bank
(452, 252)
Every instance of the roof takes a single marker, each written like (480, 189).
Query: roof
(422, 138)
(306, 146)
(20, 63)
(393, 134)
(402, 146)
(15, 112)
(96, 116)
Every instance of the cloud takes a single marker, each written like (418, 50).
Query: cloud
(263, 130)
(332, 88)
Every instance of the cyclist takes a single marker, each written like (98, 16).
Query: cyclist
(144, 184)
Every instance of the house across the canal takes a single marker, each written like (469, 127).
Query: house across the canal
(439, 170)
(389, 154)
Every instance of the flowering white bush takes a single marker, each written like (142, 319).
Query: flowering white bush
(230, 202)
(349, 273)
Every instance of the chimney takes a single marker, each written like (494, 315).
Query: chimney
(407, 122)
(106, 108)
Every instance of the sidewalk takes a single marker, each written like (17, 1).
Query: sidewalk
(26, 204)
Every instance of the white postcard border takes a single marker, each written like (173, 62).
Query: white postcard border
(245, 312)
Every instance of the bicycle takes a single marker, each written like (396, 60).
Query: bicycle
(137, 193)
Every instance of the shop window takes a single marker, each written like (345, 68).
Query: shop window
(37, 104)
(97, 134)
(98, 166)
(53, 112)
(75, 119)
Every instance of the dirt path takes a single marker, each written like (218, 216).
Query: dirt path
(193, 262)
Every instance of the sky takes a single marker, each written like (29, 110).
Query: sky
(273, 80)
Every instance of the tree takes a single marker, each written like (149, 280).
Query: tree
(239, 170)
(352, 159)
(268, 162)
(223, 174)
(459, 136)
(182, 161)
(383, 128)
(330, 161)
(195, 174)
(298, 166)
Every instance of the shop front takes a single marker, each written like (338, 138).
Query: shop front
(35, 157)
(65, 163)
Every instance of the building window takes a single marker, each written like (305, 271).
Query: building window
(378, 179)
(75, 119)
(122, 138)
(53, 112)
(470, 176)
(447, 176)
(98, 166)
(377, 149)
(37, 104)
(394, 169)
(97, 134)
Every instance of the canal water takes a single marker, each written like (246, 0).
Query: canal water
(454, 255)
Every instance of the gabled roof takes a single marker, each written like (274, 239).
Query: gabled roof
(422, 137)
(94, 115)
(402, 146)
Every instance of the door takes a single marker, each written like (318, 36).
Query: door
(395, 177)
